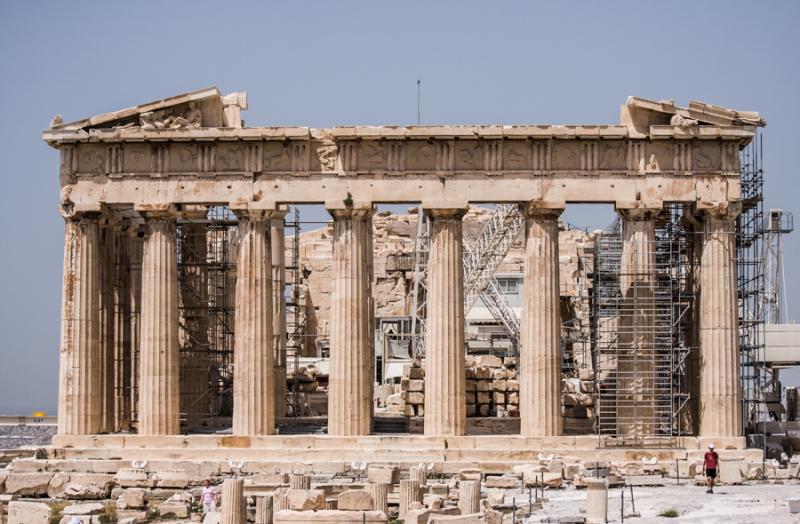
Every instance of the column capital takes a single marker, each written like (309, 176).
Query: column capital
(255, 210)
(540, 208)
(456, 213)
(638, 210)
(355, 211)
(192, 212)
(721, 210)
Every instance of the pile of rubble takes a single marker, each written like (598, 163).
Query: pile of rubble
(492, 386)
(408, 397)
(577, 395)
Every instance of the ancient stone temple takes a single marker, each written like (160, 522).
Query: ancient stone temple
(133, 181)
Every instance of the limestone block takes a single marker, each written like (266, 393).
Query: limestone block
(499, 397)
(469, 372)
(88, 508)
(306, 499)
(176, 508)
(482, 373)
(512, 397)
(510, 362)
(512, 385)
(469, 474)
(171, 478)
(502, 481)
(416, 373)
(419, 410)
(470, 386)
(499, 385)
(383, 474)
(133, 498)
(471, 410)
(483, 397)
(416, 385)
(473, 518)
(489, 361)
(483, 410)
(596, 501)
(355, 500)
(396, 399)
(483, 385)
(417, 516)
(28, 484)
(729, 474)
(131, 517)
(329, 516)
(57, 485)
(500, 375)
(267, 478)
(431, 501)
(132, 478)
(29, 513)
(415, 398)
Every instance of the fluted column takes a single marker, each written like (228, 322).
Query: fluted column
(540, 346)
(234, 505)
(379, 493)
(159, 390)
(469, 496)
(134, 268)
(409, 492)
(720, 394)
(107, 403)
(445, 399)
(79, 395)
(350, 380)
(253, 383)
(636, 364)
(279, 309)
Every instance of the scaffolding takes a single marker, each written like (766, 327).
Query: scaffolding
(641, 333)
(295, 317)
(206, 257)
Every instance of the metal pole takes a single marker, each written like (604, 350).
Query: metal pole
(678, 472)
(622, 505)
(633, 503)
(514, 510)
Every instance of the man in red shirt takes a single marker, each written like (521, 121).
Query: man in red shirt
(711, 467)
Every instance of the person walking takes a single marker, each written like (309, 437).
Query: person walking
(208, 498)
(710, 467)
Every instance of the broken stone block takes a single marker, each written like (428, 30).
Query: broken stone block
(88, 508)
(132, 478)
(502, 481)
(482, 373)
(306, 499)
(417, 516)
(28, 513)
(473, 518)
(415, 398)
(177, 508)
(356, 500)
(469, 474)
(133, 498)
(545, 478)
(28, 484)
(495, 498)
(396, 399)
(171, 478)
(433, 502)
(489, 361)
(268, 478)
(512, 385)
(729, 474)
(383, 474)
(416, 373)
(57, 485)
(329, 516)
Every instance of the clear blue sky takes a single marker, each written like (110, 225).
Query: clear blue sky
(326, 63)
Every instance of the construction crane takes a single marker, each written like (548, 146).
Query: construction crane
(481, 260)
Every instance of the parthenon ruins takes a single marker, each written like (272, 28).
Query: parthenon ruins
(139, 186)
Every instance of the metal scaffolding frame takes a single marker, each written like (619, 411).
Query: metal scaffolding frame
(642, 336)
(206, 282)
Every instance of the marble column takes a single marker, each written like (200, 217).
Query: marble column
(79, 396)
(350, 380)
(134, 268)
(540, 345)
(159, 389)
(469, 496)
(279, 309)
(253, 383)
(636, 364)
(720, 394)
(107, 402)
(379, 493)
(445, 394)
(234, 505)
(410, 492)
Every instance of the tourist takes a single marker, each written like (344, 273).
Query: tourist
(711, 467)
(209, 497)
